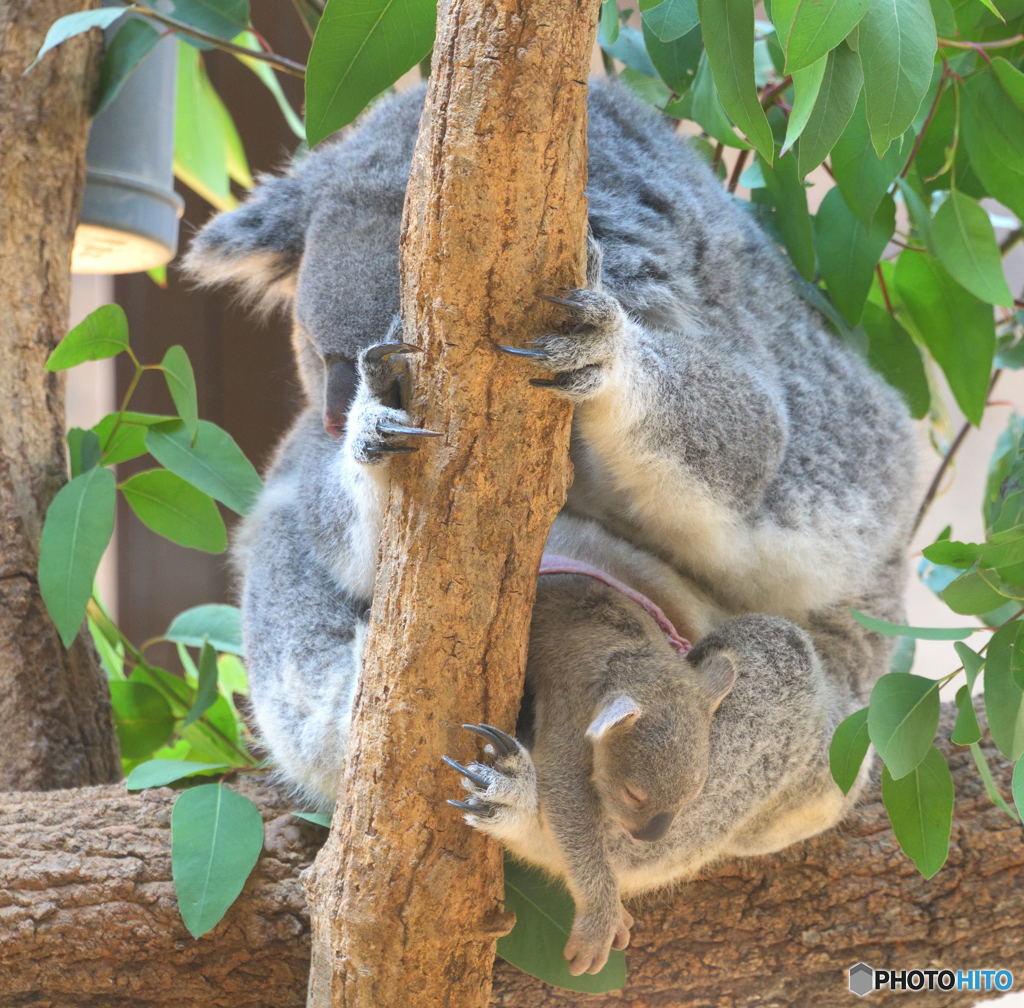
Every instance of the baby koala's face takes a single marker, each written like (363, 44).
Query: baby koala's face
(651, 747)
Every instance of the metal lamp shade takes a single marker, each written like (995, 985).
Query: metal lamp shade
(129, 216)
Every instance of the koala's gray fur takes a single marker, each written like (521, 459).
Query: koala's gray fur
(734, 461)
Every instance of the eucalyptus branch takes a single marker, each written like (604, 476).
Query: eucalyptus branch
(1005, 43)
(947, 459)
(927, 122)
(737, 170)
(275, 60)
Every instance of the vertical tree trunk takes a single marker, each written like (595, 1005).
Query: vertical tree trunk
(55, 725)
(405, 899)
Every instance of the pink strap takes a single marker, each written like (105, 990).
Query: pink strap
(553, 563)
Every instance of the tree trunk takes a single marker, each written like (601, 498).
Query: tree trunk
(89, 920)
(501, 154)
(55, 723)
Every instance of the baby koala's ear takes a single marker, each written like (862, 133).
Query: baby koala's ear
(257, 246)
(718, 675)
(619, 711)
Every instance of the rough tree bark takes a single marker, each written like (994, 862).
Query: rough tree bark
(55, 723)
(88, 918)
(501, 155)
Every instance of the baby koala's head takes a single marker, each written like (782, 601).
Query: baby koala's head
(651, 742)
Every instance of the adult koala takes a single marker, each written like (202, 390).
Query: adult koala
(741, 471)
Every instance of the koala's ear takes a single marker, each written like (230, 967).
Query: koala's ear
(258, 246)
(718, 674)
(618, 711)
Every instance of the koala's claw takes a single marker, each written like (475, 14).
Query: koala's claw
(379, 448)
(480, 811)
(504, 744)
(522, 352)
(378, 351)
(477, 779)
(394, 428)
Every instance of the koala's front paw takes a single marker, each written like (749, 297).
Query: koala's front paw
(502, 798)
(377, 425)
(583, 352)
(595, 932)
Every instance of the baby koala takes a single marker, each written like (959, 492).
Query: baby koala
(618, 720)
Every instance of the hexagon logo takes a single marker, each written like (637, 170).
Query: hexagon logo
(862, 979)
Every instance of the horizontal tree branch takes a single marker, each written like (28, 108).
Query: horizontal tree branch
(88, 918)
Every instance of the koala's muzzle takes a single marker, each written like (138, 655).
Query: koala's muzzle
(655, 828)
(339, 391)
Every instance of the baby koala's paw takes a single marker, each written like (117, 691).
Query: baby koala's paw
(502, 796)
(595, 932)
(377, 426)
(582, 352)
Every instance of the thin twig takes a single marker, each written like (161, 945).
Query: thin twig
(275, 60)
(1005, 43)
(884, 288)
(947, 459)
(770, 94)
(737, 170)
(924, 126)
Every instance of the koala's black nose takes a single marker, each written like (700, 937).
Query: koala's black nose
(655, 828)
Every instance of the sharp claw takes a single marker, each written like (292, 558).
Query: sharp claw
(379, 351)
(390, 428)
(477, 810)
(521, 352)
(564, 302)
(480, 782)
(505, 744)
(387, 449)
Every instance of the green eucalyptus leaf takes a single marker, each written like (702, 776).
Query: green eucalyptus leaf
(1004, 696)
(74, 24)
(848, 251)
(897, 43)
(920, 807)
(161, 772)
(783, 187)
(972, 662)
(544, 914)
(220, 624)
(966, 245)
(361, 48)
(837, 98)
(269, 79)
(211, 461)
(669, 19)
(903, 717)
(863, 177)
(181, 383)
(319, 818)
(76, 531)
(807, 31)
(206, 143)
(175, 510)
(223, 18)
(1017, 785)
(142, 718)
(991, 789)
(966, 731)
(101, 334)
(608, 27)
(216, 839)
(848, 748)
(83, 450)
(806, 88)
(123, 436)
(676, 61)
(920, 633)
(702, 104)
(728, 29)
(206, 690)
(955, 326)
(629, 49)
(893, 354)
